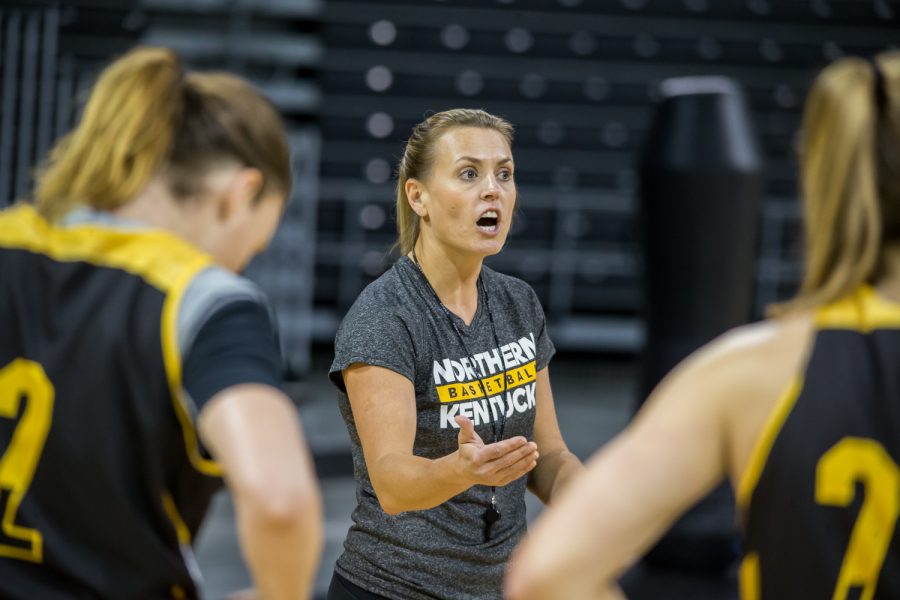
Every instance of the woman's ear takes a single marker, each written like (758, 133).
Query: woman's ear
(240, 193)
(415, 195)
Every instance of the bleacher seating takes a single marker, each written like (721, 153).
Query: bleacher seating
(578, 78)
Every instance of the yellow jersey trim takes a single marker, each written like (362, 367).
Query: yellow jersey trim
(178, 592)
(162, 259)
(181, 529)
(158, 257)
(172, 358)
(749, 577)
(864, 310)
(760, 453)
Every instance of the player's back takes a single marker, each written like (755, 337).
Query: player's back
(822, 516)
(98, 496)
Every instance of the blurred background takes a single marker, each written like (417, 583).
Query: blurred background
(580, 80)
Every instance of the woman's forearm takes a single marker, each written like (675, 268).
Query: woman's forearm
(553, 472)
(405, 482)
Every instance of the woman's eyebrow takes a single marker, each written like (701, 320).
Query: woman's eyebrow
(503, 160)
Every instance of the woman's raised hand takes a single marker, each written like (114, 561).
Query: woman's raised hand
(494, 464)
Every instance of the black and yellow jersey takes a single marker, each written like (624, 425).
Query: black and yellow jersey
(114, 337)
(821, 496)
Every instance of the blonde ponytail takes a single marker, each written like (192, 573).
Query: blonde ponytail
(123, 138)
(845, 207)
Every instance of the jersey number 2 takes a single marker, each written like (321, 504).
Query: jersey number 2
(865, 461)
(22, 381)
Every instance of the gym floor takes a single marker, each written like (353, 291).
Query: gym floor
(595, 398)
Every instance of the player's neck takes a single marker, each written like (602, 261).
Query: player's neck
(888, 283)
(155, 207)
(453, 277)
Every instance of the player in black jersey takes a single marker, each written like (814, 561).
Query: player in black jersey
(136, 368)
(800, 411)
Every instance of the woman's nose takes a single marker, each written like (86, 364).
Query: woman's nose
(491, 187)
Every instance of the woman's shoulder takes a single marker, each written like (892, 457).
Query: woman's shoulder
(512, 293)
(385, 298)
(499, 282)
(384, 287)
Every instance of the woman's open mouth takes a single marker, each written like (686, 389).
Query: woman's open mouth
(489, 222)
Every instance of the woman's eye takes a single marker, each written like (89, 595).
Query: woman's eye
(505, 175)
(468, 174)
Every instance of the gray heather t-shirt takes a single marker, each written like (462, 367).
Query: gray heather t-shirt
(397, 323)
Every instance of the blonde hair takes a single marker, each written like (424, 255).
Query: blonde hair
(850, 177)
(419, 155)
(147, 117)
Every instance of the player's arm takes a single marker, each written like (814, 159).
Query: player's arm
(254, 431)
(233, 374)
(384, 410)
(557, 465)
(634, 488)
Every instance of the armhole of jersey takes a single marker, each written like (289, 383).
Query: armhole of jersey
(764, 442)
(172, 358)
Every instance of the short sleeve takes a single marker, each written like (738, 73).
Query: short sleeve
(236, 345)
(545, 347)
(227, 336)
(373, 336)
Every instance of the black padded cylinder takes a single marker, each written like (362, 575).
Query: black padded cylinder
(702, 178)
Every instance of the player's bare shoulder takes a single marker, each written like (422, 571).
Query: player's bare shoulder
(757, 356)
(760, 361)
(740, 372)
